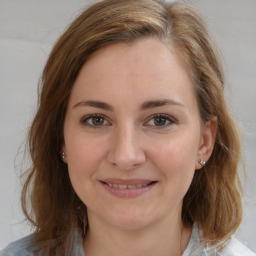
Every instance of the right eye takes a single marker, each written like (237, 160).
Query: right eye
(94, 120)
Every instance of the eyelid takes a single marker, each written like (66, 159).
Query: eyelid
(169, 118)
(161, 115)
(84, 120)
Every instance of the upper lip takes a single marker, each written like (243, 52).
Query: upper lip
(126, 181)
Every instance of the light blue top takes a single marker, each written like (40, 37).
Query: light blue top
(195, 248)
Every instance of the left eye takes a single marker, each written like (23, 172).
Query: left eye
(160, 120)
(94, 121)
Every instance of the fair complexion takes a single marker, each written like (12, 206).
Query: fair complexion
(133, 136)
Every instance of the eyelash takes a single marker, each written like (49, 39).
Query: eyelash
(85, 121)
(167, 118)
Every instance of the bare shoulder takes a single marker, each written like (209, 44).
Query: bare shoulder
(19, 247)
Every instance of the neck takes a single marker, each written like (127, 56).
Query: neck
(168, 238)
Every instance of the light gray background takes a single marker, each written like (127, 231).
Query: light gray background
(28, 29)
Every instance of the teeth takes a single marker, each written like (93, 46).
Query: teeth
(131, 186)
(124, 186)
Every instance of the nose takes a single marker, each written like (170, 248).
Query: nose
(126, 151)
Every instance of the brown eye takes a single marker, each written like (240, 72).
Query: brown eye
(160, 121)
(95, 121)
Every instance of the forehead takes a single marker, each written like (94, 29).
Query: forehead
(146, 68)
(140, 53)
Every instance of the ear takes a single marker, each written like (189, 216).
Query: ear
(207, 141)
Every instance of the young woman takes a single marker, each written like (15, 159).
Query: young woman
(134, 151)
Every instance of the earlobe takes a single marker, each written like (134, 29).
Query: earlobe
(63, 155)
(207, 142)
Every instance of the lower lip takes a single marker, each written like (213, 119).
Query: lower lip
(129, 192)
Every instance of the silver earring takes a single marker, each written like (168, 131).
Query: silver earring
(63, 155)
(202, 162)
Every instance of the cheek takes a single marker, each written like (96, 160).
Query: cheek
(176, 159)
(178, 151)
(84, 157)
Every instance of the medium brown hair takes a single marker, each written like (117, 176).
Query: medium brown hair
(48, 199)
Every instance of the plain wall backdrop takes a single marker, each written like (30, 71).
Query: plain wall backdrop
(28, 29)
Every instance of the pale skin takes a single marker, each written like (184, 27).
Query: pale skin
(133, 117)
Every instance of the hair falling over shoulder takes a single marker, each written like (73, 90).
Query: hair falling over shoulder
(48, 199)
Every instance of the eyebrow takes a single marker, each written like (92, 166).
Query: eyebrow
(146, 105)
(95, 104)
(160, 103)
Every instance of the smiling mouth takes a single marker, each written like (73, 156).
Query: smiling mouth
(129, 186)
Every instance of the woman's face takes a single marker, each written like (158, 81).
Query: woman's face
(133, 135)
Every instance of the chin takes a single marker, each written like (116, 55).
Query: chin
(130, 224)
(130, 220)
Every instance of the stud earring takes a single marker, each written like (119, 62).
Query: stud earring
(63, 155)
(202, 162)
